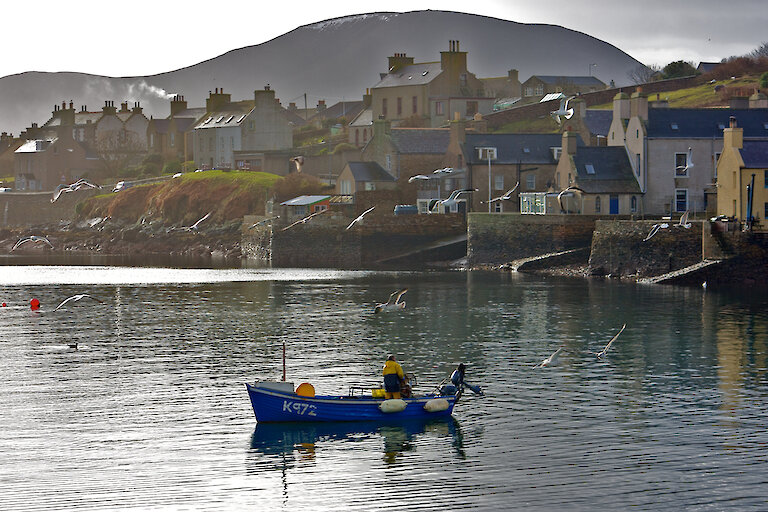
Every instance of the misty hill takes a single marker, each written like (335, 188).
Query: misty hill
(332, 60)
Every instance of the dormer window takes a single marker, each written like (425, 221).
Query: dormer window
(556, 153)
(424, 73)
(229, 119)
(674, 126)
(590, 168)
(208, 120)
(219, 119)
(526, 150)
(240, 119)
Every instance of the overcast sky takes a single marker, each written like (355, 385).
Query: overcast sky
(144, 37)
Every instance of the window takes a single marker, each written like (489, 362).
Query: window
(151, 140)
(497, 207)
(388, 162)
(529, 91)
(415, 104)
(539, 89)
(463, 80)
(471, 108)
(765, 181)
(365, 135)
(357, 137)
(633, 204)
(590, 168)
(399, 106)
(320, 207)
(438, 108)
(681, 165)
(498, 182)
(556, 153)
(597, 204)
(173, 139)
(345, 187)
(530, 182)
(384, 107)
(557, 180)
(370, 185)
(717, 157)
(674, 126)
(681, 199)
(765, 213)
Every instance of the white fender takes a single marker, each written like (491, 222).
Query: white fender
(392, 405)
(436, 405)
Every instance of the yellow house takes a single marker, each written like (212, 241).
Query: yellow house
(739, 163)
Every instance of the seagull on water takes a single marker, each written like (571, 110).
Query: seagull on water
(304, 220)
(33, 238)
(360, 217)
(393, 302)
(563, 111)
(599, 355)
(551, 360)
(507, 195)
(655, 229)
(76, 298)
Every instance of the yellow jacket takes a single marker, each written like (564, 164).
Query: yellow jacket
(393, 367)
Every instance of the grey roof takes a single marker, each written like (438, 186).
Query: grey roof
(413, 74)
(755, 154)
(348, 109)
(511, 148)
(195, 113)
(304, 200)
(420, 140)
(613, 172)
(690, 123)
(369, 171)
(575, 80)
(599, 121)
(364, 118)
(706, 67)
(35, 146)
(222, 119)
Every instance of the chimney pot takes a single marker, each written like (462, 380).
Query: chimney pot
(732, 121)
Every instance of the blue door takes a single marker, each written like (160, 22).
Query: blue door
(614, 207)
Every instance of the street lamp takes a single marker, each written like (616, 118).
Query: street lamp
(488, 153)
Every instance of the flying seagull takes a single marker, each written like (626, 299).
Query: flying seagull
(76, 298)
(507, 195)
(551, 360)
(78, 185)
(684, 221)
(600, 354)
(196, 225)
(682, 169)
(360, 217)
(304, 220)
(563, 111)
(298, 161)
(263, 221)
(655, 229)
(393, 302)
(33, 238)
(569, 188)
(419, 177)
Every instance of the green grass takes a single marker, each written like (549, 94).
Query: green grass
(246, 178)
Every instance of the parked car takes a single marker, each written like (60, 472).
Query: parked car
(121, 185)
(406, 209)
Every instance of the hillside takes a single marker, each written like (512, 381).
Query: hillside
(333, 60)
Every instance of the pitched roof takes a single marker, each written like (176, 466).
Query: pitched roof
(369, 171)
(755, 154)
(195, 113)
(222, 119)
(413, 74)
(706, 67)
(511, 148)
(304, 200)
(364, 118)
(610, 171)
(599, 121)
(35, 146)
(348, 109)
(704, 123)
(574, 80)
(420, 140)
(161, 125)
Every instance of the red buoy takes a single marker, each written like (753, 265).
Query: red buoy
(34, 304)
(4, 304)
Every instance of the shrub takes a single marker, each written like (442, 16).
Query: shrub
(764, 80)
(172, 167)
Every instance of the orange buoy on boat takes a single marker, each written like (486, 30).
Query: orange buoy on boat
(305, 389)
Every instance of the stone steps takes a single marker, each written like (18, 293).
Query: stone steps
(669, 276)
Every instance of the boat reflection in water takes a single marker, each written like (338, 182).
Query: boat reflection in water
(398, 437)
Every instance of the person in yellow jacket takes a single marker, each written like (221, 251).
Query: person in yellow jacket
(393, 378)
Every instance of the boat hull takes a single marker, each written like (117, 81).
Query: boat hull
(270, 405)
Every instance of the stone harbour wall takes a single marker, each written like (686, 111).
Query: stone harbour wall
(618, 248)
(499, 238)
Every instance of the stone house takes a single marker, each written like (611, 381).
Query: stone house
(358, 176)
(508, 87)
(229, 128)
(429, 93)
(44, 164)
(659, 138)
(539, 85)
(602, 176)
(8, 146)
(172, 137)
(742, 163)
(529, 159)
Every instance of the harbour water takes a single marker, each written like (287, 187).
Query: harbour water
(150, 411)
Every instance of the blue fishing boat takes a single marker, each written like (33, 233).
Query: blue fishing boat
(278, 401)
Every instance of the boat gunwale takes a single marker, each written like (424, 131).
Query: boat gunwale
(336, 399)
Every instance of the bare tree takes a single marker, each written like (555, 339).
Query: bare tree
(118, 149)
(643, 74)
(760, 51)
